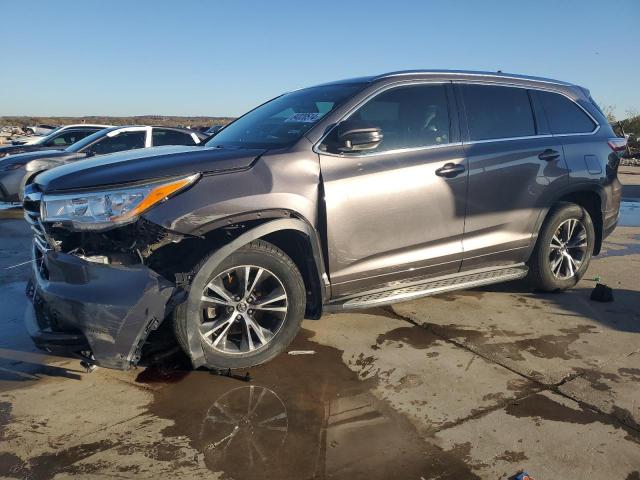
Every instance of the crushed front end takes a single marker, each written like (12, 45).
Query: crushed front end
(98, 294)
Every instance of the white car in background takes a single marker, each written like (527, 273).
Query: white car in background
(58, 139)
(46, 138)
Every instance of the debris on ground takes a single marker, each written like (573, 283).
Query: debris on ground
(88, 366)
(602, 293)
(302, 352)
(521, 476)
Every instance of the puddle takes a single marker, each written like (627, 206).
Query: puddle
(301, 417)
(10, 211)
(418, 338)
(542, 407)
(21, 363)
(629, 214)
(8, 205)
(617, 249)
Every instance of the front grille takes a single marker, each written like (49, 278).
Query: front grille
(41, 241)
(31, 206)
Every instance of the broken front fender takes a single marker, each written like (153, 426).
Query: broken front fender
(114, 307)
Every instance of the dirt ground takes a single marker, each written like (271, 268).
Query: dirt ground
(476, 384)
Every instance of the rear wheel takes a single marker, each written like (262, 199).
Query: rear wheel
(563, 250)
(250, 308)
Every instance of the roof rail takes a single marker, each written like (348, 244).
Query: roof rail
(498, 74)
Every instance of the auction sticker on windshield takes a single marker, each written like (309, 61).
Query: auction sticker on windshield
(305, 117)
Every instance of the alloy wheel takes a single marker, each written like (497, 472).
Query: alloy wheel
(568, 249)
(243, 308)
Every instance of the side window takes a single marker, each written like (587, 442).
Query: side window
(68, 137)
(564, 116)
(409, 117)
(123, 141)
(171, 137)
(495, 112)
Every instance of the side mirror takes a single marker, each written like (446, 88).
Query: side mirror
(90, 153)
(357, 137)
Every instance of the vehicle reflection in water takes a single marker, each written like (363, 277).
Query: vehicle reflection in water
(300, 417)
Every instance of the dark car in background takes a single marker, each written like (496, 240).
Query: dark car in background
(633, 146)
(18, 170)
(213, 130)
(347, 195)
(59, 139)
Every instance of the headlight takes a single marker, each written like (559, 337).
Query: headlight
(107, 208)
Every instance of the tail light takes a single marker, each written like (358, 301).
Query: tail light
(618, 144)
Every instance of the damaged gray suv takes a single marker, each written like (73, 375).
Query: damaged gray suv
(342, 196)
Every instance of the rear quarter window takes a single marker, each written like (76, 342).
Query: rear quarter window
(564, 116)
(171, 137)
(495, 112)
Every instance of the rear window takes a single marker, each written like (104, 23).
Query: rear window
(118, 143)
(171, 137)
(564, 115)
(495, 112)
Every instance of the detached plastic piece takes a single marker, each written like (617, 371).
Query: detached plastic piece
(302, 352)
(602, 293)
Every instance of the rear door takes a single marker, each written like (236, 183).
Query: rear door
(585, 153)
(390, 215)
(514, 165)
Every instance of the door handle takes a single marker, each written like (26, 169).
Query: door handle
(549, 154)
(450, 170)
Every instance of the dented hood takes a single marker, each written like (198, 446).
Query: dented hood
(147, 164)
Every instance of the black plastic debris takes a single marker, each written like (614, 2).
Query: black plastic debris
(602, 293)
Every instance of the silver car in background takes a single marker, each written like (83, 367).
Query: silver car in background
(19, 169)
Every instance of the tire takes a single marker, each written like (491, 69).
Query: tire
(545, 273)
(279, 276)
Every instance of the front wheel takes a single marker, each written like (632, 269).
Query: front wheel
(250, 310)
(563, 250)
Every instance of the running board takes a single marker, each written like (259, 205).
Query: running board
(458, 281)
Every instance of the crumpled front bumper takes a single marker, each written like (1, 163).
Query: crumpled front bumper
(109, 309)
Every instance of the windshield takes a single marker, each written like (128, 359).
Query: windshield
(79, 145)
(283, 120)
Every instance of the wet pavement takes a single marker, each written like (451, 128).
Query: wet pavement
(475, 384)
(630, 214)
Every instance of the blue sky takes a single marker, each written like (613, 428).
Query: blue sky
(222, 57)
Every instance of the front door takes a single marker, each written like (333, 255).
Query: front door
(397, 211)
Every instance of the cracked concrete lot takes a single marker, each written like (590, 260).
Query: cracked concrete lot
(477, 384)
